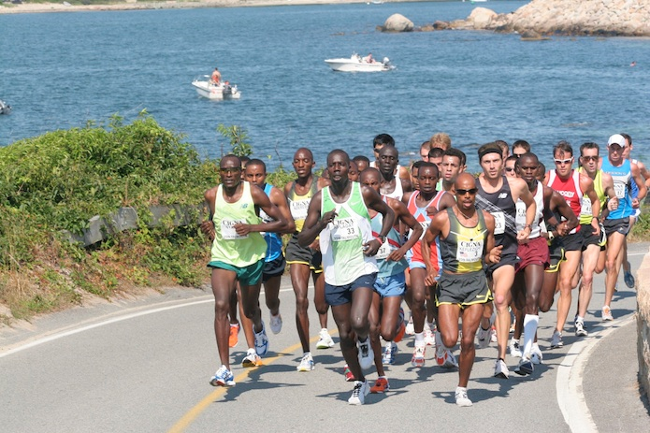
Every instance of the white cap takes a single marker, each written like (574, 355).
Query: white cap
(617, 139)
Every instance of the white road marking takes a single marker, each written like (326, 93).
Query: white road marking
(568, 381)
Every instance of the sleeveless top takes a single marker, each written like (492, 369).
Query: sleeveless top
(586, 214)
(299, 204)
(398, 192)
(341, 242)
(421, 216)
(570, 190)
(520, 219)
(273, 240)
(634, 188)
(501, 206)
(387, 268)
(622, 176)
(228, 247)
(463, 249)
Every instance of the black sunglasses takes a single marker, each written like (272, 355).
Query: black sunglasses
(465, 191)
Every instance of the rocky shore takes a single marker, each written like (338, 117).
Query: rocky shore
(549, 17)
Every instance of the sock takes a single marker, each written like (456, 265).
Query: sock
(419, 339)
(530, 328)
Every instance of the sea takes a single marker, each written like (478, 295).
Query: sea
(62, 70)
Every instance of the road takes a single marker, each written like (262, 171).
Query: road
(143, 365)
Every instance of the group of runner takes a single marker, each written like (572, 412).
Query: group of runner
(455, 247)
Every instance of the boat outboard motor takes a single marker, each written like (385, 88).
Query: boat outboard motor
(386, 61)
(4, 108)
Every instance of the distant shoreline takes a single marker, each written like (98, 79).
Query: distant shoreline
(172, 4)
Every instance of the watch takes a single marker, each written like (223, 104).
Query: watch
(551, 236)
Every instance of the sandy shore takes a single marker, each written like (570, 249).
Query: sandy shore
(132, 5)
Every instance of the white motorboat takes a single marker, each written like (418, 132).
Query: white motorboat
(356, 63)
(223, 90)
(4, 107)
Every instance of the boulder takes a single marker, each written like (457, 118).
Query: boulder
(481, 18)
(398, 23)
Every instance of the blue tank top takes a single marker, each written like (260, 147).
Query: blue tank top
(387, 268)
(273, 240)
(622, 178)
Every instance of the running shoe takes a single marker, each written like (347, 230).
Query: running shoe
(401, 329)
(366, 356)
(484, 337)
(418, 356)
(556, 340)
(536, 354)
(501, 369)
(251, 359)
(261, 342)
(525, 367)
(409, 327)
(276, 323)
(514, 348)
(349, 377)
(607, 313)
(389, 353)
(359, 393)
(629, 279)
(306, 363)
(446, 359)
(223, 377)
(325, 340)
(233, 337)
(580, 328)
(381, 385)
(429, 337)
(461, 397)
(493, 334)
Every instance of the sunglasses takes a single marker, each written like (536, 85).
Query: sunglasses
(466, 191)
(230, 170)
(589, 158)
(563, 161)
(509, 169)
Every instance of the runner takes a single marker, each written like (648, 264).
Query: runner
(423, 204)
(304, 261)
(385, 312)
(593, 247)
(617, 223)
(453, 163)
(497, 195)
(391, 186)
(573, 186)
(465, 234)
(339, 213)
(238, 251)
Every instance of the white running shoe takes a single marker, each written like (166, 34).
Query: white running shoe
(418, 356)
(484, 337)
(261, 342)
(501, 369)
(359, 393)
(446, 359)
(390, 351)
(409, 327)
(276, 323)
(536, 354)
(607, 313)
(580, 329)
(325, 340)
(429, 337)
(306, 363)
(525, 367)
(251, 359)
(223, 377)
(366, 355)
(514, 348)
(461, 397)
(556, 340)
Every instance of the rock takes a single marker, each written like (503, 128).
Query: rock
(531, 35)
(481, 18)
(398, 23)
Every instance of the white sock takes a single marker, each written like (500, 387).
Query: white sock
(419, 339)
(530, 328)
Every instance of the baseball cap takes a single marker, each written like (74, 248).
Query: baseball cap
(616, 139)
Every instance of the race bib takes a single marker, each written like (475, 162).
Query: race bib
(499, 223)
(619, 188)
(586, 206)
(469, 251)
(384, 251)
(344, 229)
(299, 209)
(228, 231)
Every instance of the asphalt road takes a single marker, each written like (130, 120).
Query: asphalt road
(143, 365)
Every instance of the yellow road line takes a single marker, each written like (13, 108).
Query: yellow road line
(193, 413)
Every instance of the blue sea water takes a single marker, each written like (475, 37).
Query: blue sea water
(60, 70)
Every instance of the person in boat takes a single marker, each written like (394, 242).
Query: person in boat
(215, 78)
(369, 59)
